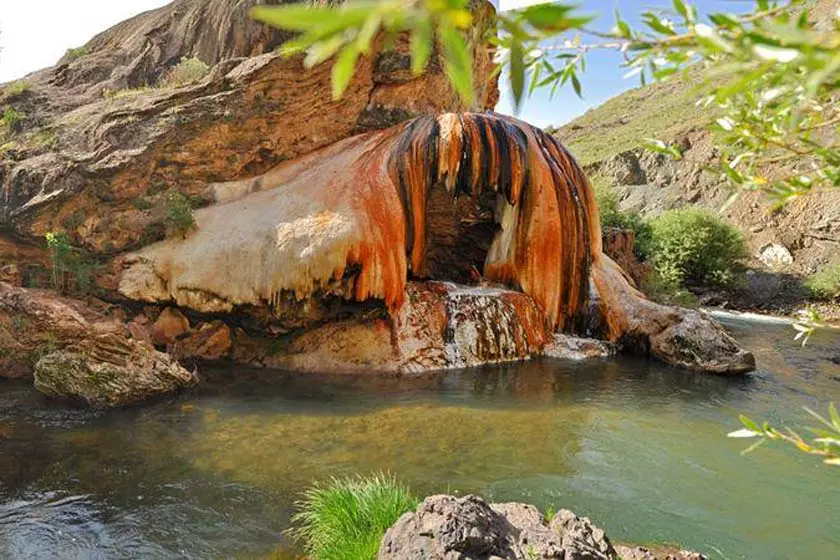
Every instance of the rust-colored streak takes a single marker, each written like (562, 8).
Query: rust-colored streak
(549, 232)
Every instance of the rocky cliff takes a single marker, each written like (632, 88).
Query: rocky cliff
(380, 232)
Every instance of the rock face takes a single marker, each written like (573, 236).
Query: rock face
(79, 351)
(109, 160)
(375, 233)
(449, 528)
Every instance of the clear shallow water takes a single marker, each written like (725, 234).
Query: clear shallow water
(639, 447)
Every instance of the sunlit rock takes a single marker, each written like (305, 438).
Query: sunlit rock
(466, 197)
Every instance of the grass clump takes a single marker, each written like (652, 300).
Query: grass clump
(16, 88)
(72, 271)
(188, 71)
(76, 53)
(12, 119)
(825, 283)
(178, 213)
(346, 518)
(695, 247)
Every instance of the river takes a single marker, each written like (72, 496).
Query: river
(639, 447)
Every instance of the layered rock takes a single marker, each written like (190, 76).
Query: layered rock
(114, 145)
(80, 351)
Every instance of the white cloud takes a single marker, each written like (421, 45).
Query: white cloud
(34, 34)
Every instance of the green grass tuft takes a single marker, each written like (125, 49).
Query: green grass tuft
(188, 71)
(346, 518)
(825, 283)
(16, 88)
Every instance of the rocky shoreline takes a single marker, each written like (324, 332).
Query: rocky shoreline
(446, 527)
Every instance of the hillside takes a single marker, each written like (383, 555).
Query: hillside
(608, 142)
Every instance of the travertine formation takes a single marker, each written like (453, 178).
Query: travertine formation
(354, 222)
(381, 232)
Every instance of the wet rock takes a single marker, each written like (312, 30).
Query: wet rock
(575, 348)
(440, 325)
(211, 341)
(698, 342)
(449, 528)
(169, 327)
(110, 371)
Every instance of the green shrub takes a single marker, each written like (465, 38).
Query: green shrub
(72, 270)
(826, 282)
(75, 54)
(11, 118)
(667, 292)
(612, 216)
(347, 518)
(178, 213)
(16, 88)
(695, 247)
(186, 72)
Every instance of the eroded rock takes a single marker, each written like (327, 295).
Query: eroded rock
(80, 350)
(110, 371)
(169, 327)
(449, 528)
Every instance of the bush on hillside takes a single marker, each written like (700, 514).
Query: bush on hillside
(826, 282)
(188, 71)
(695, 247)
(346, 518)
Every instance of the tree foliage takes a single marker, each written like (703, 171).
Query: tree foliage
(823, 442)
(771, 71)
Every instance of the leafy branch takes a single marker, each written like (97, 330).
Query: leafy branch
(825, 440)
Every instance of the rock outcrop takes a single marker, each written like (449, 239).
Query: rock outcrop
(80, 351)
(379, 232)
(452, 197)
(450, 528)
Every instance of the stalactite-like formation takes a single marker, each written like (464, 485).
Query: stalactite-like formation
(544, 206)
(351, 220)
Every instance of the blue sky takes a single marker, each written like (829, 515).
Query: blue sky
(603, 78)
(31, 41)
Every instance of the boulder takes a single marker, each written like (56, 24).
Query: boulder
(210, 341)
(169, 327)
(80, 350)
(775, 256)
(576, 348)
(449, 528)
(110, 371)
